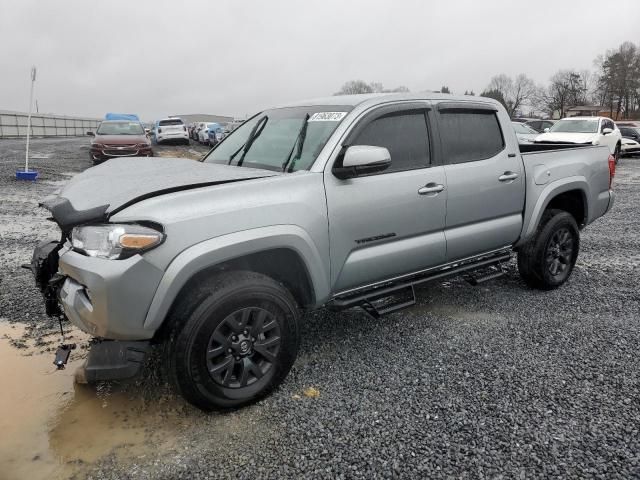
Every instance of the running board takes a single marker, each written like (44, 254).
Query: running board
(372, 300)
(492, 274)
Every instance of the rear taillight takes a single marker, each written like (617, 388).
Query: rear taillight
(612, 169)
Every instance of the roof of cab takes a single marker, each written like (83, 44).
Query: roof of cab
(372, 99)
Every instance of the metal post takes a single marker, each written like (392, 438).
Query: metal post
(33, 81)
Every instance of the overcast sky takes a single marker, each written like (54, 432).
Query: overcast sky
(162, 57)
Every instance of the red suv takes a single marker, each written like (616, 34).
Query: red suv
(119, 138)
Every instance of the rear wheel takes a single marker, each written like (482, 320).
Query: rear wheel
(547, 260)
(234, 339)
(617, 153)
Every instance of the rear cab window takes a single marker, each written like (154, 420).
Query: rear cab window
(469, 135)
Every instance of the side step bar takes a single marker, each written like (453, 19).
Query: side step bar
(371, 300)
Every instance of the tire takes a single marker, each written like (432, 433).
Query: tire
(546, 261)
(225, 313)
(617, 153)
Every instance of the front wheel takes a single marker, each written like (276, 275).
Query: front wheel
(233, 340)
(546, 261)
(617, 153)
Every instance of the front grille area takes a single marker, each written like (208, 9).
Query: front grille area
(120, 153)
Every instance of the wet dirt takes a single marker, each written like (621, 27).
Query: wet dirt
(54, 428)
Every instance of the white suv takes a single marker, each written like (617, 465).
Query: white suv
(170, 129)
(590, 130)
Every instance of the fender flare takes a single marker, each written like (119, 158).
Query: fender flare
(546, 195)
(220, 249)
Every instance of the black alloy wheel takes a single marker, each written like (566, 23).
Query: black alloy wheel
(243, 348)
(559, 253)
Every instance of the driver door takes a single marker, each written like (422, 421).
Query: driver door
(387, 224)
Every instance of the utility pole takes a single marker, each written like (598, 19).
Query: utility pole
(33, 81)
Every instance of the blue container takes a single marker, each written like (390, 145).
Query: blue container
(30, 175)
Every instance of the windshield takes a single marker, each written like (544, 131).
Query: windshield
(278, 139)
(575, 126)
(171, 121)
(520, 128)
(120, 128)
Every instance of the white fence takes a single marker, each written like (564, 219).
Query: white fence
(14, 124)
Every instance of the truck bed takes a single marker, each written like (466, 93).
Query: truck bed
(553, 169)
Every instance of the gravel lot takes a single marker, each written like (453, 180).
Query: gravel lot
(497, 381)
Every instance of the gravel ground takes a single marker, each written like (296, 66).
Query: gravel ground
(497, 381)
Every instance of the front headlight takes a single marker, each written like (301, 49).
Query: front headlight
(114, 241)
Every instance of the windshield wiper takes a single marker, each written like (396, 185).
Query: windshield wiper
(255, 133)
(302, 134)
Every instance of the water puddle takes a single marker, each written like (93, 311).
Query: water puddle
(52, 428)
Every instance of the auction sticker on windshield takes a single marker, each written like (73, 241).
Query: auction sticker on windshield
(327, 116)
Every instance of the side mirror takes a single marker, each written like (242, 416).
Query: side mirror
(91, 134)
(606, 131)
(147, 131)
(362, 160)
(546, 130)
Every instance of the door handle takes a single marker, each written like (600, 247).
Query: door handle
(431, 188)
(507, 176)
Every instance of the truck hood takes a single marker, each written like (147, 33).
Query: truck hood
(564, 137)
(98, 192)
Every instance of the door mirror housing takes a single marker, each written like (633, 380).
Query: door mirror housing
(362, 160)
(546, 130)
(606, 131)
(91, 134)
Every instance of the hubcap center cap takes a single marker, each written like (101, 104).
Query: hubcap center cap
(245, 346)
(242, 345)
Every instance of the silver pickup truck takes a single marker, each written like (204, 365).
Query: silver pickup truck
(348, 201)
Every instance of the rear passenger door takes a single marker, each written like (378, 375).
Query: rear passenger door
(389, 223)
(485, 179)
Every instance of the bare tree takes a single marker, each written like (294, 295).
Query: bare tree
(567, 88)
(513, 93)
(353, 87)
(359, 86)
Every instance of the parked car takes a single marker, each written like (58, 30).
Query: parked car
(203, 134)
(540, 125)
(170, 129)
(585, 130)
(630, 139)
(191, 130)
(524, 133)
(216, 134)
(629, 123)
(338, 203)
(119, 138)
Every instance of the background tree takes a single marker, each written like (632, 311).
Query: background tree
(496, 95)
(618, 80)
(512, 93)
(353, 87)
(567, 88)
(445, 89)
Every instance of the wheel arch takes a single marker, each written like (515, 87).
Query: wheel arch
(289, 257)
(571, 195)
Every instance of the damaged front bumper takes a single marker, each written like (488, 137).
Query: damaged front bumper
(108, 299)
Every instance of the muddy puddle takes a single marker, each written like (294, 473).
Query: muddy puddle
(51, 427)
